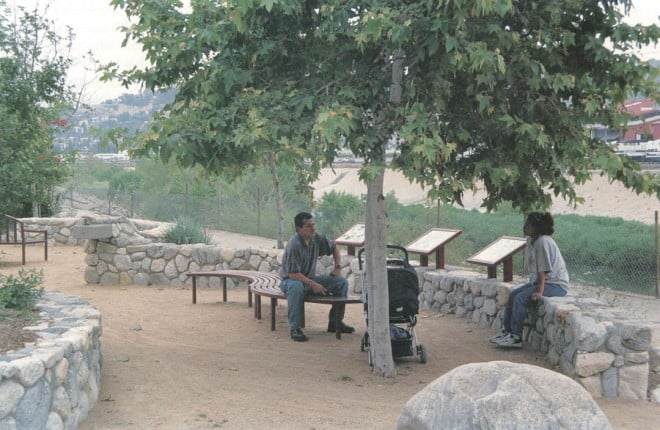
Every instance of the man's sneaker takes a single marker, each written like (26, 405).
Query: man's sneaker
(510, 341)
(344, 328)
(298, 335)
(499, 335)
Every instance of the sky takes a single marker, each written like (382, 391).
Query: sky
(95, 24)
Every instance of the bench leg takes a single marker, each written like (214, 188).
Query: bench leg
(273, 306)
(194, 289)
(224, 290)
(249, 297)
(257, 306)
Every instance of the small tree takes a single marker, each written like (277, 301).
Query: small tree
(245, 70)
(34, 97)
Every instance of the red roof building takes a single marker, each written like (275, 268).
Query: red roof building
(644, 123)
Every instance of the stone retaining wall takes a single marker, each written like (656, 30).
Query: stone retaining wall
(167, 264)
(61, 230)
(610, 353)
(53, 383)
(604, 349)
(131, 251)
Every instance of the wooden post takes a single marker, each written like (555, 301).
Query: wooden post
(440, 258)
(508, 269)
(492, 272)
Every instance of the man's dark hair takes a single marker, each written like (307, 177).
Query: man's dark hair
(543, 223)
(299, 220)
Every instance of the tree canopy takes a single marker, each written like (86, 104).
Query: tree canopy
(492, 93)
(497, 92)
(33, 94)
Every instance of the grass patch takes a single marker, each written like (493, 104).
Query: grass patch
(186, 231)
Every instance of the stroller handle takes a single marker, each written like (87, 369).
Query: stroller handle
(397, 247)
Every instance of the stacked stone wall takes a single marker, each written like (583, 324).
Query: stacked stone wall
(59, 230)
(54, 382)
(167, 264)
(610, 353)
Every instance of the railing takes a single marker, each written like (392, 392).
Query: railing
(15, 233)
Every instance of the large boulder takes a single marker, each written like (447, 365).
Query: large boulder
(502, 395)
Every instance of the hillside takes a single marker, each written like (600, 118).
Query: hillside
(601, 197)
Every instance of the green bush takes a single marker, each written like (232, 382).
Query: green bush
(187, 231)
(337, 212)
(21, 292)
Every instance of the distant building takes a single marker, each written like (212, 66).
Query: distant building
(643, 126)
(113, 158)
(645, 121)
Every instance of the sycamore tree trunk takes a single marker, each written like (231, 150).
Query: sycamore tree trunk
(376, 249)
(272, 161)
(377, 292)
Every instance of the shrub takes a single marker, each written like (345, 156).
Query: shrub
(337, 212)
(22, 291)
(187, 231)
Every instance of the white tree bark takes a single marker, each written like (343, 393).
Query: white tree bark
(378, 311)
(376, 250)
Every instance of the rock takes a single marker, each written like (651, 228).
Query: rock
(589, 364)
(501, 394)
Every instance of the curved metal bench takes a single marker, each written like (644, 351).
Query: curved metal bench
(265, 284)
(268, 285)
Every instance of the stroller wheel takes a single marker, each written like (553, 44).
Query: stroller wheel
(421, 351)
(364, 343)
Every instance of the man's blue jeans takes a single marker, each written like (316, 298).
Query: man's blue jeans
(296, 291)
(519, 298)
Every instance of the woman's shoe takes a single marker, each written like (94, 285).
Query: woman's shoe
(499, 335)
(510, 341)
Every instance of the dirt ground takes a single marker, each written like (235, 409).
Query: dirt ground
(169, 364)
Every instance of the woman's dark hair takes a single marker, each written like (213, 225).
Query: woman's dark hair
(543, 223)
(301, 217)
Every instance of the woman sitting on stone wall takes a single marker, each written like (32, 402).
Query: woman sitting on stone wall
(547, 277)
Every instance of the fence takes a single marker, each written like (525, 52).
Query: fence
(599, 252)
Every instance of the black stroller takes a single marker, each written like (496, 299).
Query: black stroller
(403, 290)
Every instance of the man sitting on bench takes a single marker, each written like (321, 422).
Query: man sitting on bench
(299, 278)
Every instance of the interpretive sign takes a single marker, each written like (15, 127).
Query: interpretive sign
(499, 251)
(433, 241)
(352, 237)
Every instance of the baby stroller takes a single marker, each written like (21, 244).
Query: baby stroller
(403, 290)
